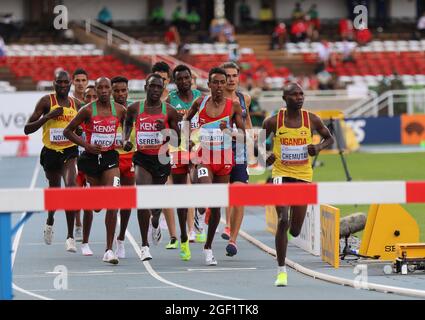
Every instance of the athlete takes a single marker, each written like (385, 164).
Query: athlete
(100, 161)
(239, 174)
(217, 115)
(58, 157)
(151, 159)
(291, 130)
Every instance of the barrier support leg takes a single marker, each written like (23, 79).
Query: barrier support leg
(5, 256)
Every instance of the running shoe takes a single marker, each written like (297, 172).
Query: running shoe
(207, 215)
(173, 244)
(201, 237)
(209, 258)
(120, 250)
(226, 233)
(110, 257)
(78, 235)
(192, 236)
(70, 245)
(145, 254)
(199, 221)
(85, 249)
(156, 235)
(281, 280)
(48, 234)
(185, 251)
(231, 249)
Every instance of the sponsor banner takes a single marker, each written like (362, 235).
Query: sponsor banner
(412, 129)
(376, 130)
(15, 110)
(329, 234)
(309, 238)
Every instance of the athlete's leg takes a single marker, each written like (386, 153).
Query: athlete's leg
(69, 174)
(54, 179)
(181, 212)
(110, 178)
(125, 213)
(143, 177)
(171, 222)
(236, 218)
(88, 214)
(297, 218)
(281, 237)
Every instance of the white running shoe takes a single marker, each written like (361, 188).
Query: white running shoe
(48, 234)
(85, 249)
(192, 236)
(70, 245)
(145, 254)
(120, 250)
(110, 257)
(78, 235)
(156, 234)
(209, 258)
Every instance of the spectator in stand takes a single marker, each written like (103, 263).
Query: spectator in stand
(158, 16)
(297, 13)
(216, 29)
(193, 19)
(348, 48)
(363, 35)
(346, 30)
(266, 17)
(298, 30)
(178, 18)
(278, 36)
(234, 55)
(324, 52)
(245, 14)
(105, 16)
(256, 114)
(421, 26)
(172, 36)
(314, 16)
(228, 33)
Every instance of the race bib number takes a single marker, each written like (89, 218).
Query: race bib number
(105, 140)
(294, 155)
(57, 137)
(202, 172)
(194, 123)
(118, 140)
(149, 140)
(212, 136)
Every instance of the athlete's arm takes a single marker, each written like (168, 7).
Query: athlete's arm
(327, 139)
(36, 120)
(248, 123)
(82, 116)
(173, 123)
(236, 117)
(128, 125)
(193, 109)
(269, 125)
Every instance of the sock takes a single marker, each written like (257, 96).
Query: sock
(281, 269)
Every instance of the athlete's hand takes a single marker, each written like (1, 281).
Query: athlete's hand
(55, 113)
(313, 149)
(180, 116)
(223, 125)
(270, 159)
(79, 131)
(160, 125)
(128, 146)
(94, 148)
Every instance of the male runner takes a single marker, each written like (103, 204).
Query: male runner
(292, 129)
(80, 81)
(58, 157)
(151, 116)
(182, 99)
(100, 161)
(217, 115)
(120, 95)
(239, 174)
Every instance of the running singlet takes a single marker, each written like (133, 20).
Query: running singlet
(182, 108)
(102, 130)
(290, 149)
(240, 151)
(211, 137)
(149, 139)
(118, 139)
(53, 137)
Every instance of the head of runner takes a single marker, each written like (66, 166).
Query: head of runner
(217, 81)
(120, 89)
(103, 89)
(154, 88)
(90, 94)
(293, 95)
(232, 73)
(183, 78)
(163, 69)
(80, 81)
(62, 83)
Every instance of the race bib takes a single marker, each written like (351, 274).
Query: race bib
(57, 137)
(212, 136)
(294, 155)
(118, 140)
(149, 140)
(105, 140)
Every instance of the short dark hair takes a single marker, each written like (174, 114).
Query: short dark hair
(89, 87)
(154, 75)
(79, 71)
(180, 68)
(230, 65)
(118, 79)
(161, 66)
(216, 70)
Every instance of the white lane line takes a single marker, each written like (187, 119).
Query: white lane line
(18, 238)
(156, 287)
(153, 273)
(82, 272)
(218, 269)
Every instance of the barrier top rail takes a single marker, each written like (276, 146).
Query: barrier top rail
(215, 195)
